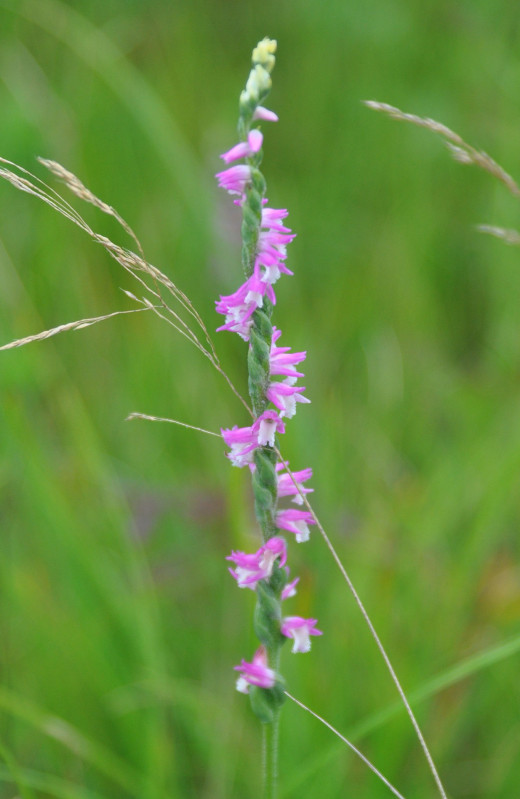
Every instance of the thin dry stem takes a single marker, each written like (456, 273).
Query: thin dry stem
(148, 418)
(78, 325)
(81, 191)
(134, 264)
(373, 632)
(42, 190)
(509, 236)
(349, 744)
(462, 151)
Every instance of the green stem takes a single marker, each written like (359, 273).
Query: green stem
(270, 739)
(270, 753)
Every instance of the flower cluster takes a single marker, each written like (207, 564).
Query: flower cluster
(273, 377)
(271, 253)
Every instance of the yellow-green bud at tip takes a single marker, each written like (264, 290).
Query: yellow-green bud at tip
(263, 54)
(258, 83)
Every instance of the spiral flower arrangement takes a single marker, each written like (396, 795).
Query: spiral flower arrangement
(273, 375)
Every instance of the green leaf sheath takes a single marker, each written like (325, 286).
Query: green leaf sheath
(265, 491)
(258, 357)
(268, 616)
(252, 214)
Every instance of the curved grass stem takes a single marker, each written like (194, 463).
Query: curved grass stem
(349, 744)
(374, 635)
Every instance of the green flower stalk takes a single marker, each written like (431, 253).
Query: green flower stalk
(248, 312)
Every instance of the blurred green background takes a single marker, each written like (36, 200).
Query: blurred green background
(119, 622)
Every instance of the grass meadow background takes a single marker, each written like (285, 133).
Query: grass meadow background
(119, 622)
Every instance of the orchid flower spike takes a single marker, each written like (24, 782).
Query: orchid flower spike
(273, 372)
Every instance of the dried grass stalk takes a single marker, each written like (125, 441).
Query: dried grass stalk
(460, 150)
(162, 290)
(509, 236)
(149, 418)
(78, 325)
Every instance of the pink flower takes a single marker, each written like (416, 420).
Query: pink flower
(285, 396)
(257, 288)
(234, 179)
(239, 307)
(272, 244)
(248, 572)
(295, 521)
(300, 631)
(274, 548)
(243, 442)
(255, 673)
(250, 569)
(281, 360)
(264, 113)
(266, 427)
(271, 258)
(271, 218)
(245, 149)
(290, 589)
(238, 316)
(286, 487)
